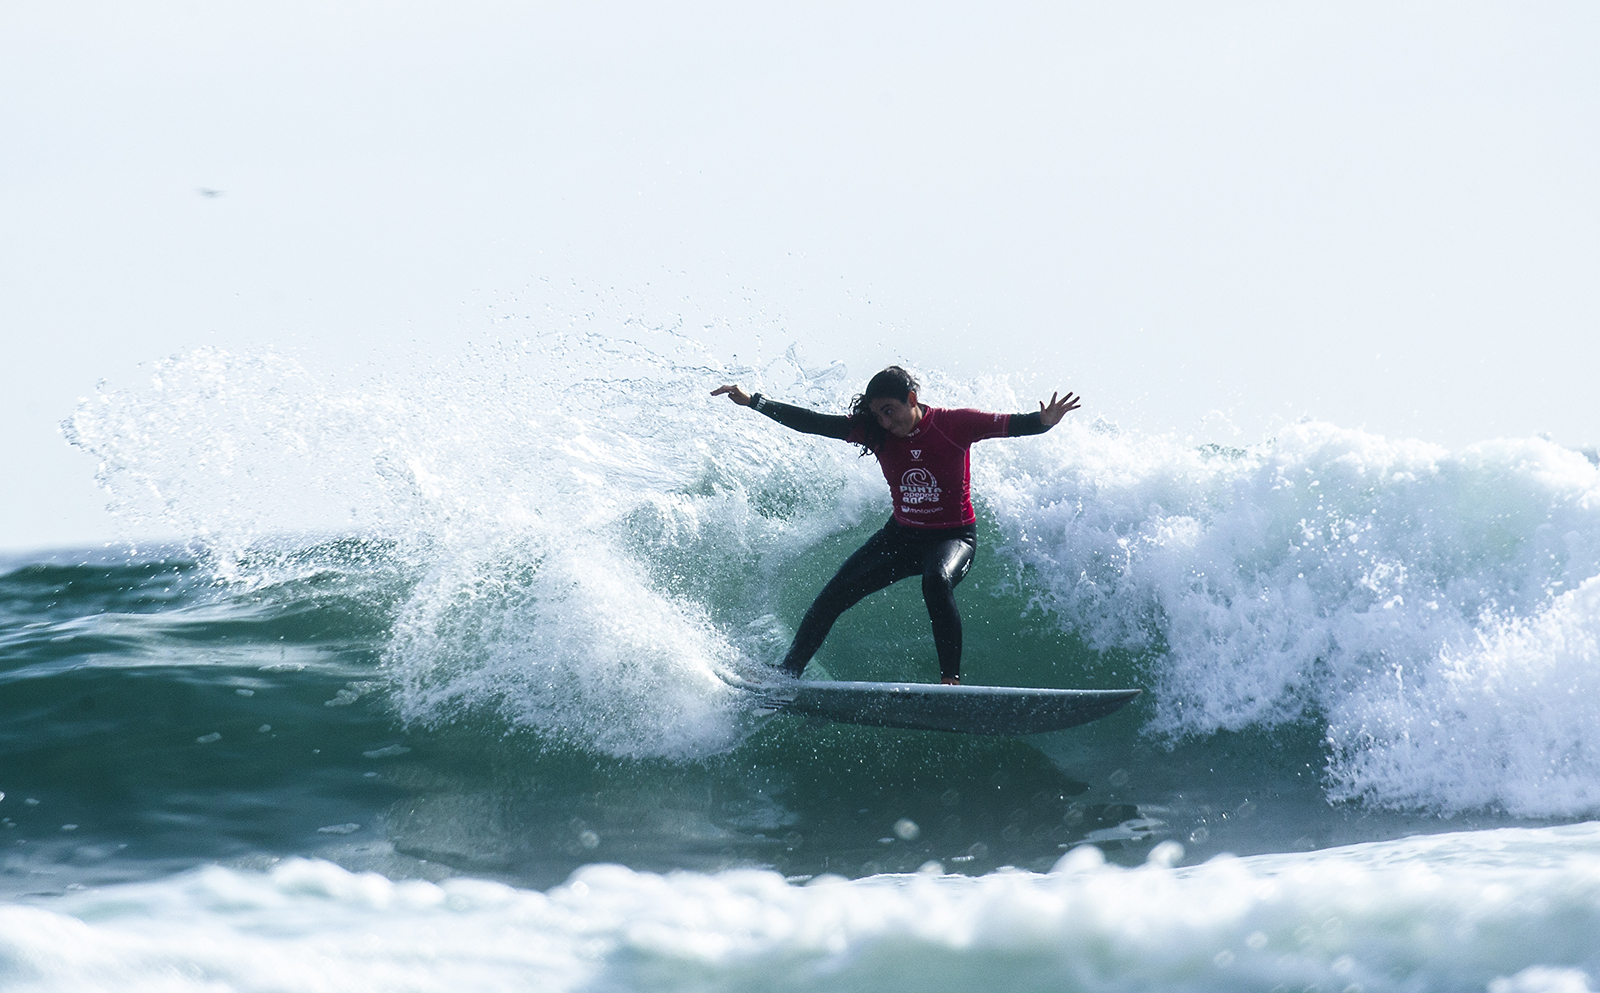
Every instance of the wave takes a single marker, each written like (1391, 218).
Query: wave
(592, 547)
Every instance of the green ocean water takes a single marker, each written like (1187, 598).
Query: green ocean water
(163, 719)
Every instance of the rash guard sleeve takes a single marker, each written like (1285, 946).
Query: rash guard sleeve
(1021, 424)
(803, 420)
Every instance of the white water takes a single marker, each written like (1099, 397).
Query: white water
(1508, 911)
(1436, 609)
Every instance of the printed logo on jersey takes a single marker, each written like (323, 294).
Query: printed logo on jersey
(916, 453)
(918, 486)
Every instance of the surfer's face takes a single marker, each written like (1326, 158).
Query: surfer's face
(898, 417)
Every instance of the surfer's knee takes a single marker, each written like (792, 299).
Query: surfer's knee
(937, 584)
(949, 565)
(945, 573)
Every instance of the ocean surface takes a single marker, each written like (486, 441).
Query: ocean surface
(437, 689)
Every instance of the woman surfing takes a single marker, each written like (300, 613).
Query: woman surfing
(925, 455)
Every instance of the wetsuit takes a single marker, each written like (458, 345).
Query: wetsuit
(933, 532)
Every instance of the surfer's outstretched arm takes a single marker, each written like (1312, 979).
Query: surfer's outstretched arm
(798, 418)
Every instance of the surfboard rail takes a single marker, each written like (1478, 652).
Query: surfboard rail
(993, 710)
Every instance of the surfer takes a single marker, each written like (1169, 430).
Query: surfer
(925, 456)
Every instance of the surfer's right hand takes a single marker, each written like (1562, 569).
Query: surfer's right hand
(734, 393)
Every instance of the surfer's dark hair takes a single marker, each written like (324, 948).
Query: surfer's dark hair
(894, 383)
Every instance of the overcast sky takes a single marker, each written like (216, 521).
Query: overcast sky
(1208, 218)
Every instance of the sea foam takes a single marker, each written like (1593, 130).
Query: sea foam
(1506, 910)
(1434, 609)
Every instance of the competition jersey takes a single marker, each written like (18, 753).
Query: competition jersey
(930, 470)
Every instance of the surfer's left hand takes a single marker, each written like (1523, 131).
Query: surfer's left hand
(734, 393)
(1050, 414)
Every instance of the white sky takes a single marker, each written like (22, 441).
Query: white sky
(1383, 215)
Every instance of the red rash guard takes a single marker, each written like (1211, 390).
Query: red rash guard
(930, 470)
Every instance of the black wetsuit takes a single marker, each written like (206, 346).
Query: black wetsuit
(940, 555)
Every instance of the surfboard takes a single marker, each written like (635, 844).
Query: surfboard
(993, 710)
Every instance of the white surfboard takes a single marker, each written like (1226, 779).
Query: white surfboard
(995, 710)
